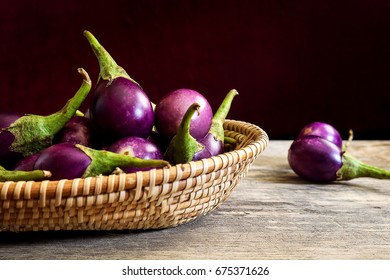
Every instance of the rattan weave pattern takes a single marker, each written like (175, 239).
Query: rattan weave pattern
(158, 198)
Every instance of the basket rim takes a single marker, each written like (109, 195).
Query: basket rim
(255, 142)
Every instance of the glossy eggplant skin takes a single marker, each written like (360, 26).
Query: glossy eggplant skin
(64, 161)
(214, 146)
(136, 147)
(315, 159)
(322, 130)
(120, 108)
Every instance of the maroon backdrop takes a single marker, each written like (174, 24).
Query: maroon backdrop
(292, 62)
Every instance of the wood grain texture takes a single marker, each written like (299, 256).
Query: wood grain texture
(272, 214)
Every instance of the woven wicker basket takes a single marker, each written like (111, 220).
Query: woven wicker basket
(158, 198)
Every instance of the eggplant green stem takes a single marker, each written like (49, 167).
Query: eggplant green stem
(220, 115)
(109, 69)
(34, 133)
(71, 107)
(353, 168)
(185, 125)
(105, 162)
(35, 175)
(183, 146)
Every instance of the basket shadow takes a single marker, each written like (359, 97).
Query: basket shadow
(19, 238)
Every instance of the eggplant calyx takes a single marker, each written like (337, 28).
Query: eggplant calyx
(353, 168)
(183, 146)
(34, 132)
(105, 162)
(109, 69)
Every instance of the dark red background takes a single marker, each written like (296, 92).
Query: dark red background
(292, 62)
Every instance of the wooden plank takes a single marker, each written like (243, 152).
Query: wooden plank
(273, 214)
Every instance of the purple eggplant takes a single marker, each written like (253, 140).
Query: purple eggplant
(30, 134)
(78, 130)
(136, 147)
(315, 159)
(323, 130)
(27, 163)
(318, 160)
(119, 106)
(68, 161)
(183, 146)
(214, 139)
(170, 111)
(35, 175)
(64, 160)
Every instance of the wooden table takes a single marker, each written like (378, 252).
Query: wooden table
(272, 214)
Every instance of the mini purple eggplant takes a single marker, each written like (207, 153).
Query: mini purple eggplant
(322, 130)
(170, 111)
(136, 147)
(67, 161)
(214, 139)
(11, 175)
(316, 159)
(30, 134)
(183, 146)
(64, 160)
(119, 106)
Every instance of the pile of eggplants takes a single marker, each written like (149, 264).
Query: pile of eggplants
(121, 131)
(319, 155)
